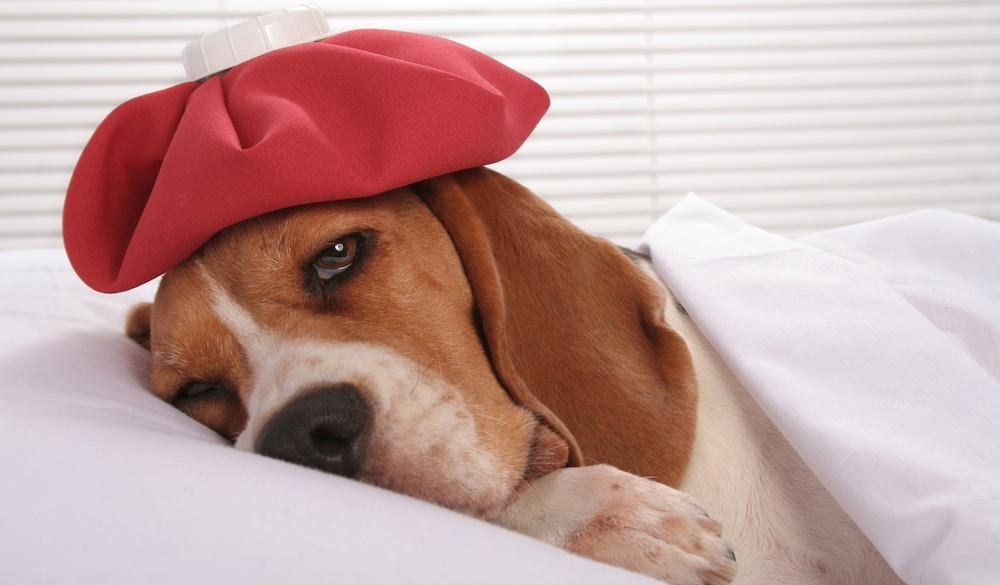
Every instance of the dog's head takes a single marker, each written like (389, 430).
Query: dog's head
(451, 340)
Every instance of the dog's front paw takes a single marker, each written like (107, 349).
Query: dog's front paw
(621, 519)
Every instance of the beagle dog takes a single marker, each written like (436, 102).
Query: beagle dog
(461, 342)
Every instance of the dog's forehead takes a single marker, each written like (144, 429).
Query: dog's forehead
(281, 232)
(265, 249)
(260, 263)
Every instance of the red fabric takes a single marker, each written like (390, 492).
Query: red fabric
(353, 115)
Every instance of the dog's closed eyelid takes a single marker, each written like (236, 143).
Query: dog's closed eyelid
(196, 390)
(221, 410)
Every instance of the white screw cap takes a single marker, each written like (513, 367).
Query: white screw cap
(243, 41)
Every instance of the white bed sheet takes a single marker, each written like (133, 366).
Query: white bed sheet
(875, 348)
(102, 483)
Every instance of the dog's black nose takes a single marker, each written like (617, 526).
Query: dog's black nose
(324, 429)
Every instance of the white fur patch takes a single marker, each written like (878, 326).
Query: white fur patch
(423, 440)
(556, 506)
(622, 519)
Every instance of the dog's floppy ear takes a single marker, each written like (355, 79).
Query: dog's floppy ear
(575, 331)
(137, 323)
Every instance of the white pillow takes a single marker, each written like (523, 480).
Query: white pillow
(104, 483)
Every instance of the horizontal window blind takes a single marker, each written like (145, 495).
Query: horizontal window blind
(796, 114)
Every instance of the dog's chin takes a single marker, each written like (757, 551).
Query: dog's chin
(485, 506)
(475, 494)
(467, 478)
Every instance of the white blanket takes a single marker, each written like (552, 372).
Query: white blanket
(875, 348)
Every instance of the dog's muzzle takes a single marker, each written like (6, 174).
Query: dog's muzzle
(324, 429)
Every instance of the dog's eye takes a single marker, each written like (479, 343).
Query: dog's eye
(337, 258)
(199, 390)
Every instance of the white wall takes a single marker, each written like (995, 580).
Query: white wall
(796, 114)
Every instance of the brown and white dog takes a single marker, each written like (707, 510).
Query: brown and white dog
(461, 342)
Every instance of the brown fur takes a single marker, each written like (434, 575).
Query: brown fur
(572, 330)
(575, 330)
(410, 295)
(137, 323)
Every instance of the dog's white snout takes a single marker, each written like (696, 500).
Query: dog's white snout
(420, 438)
